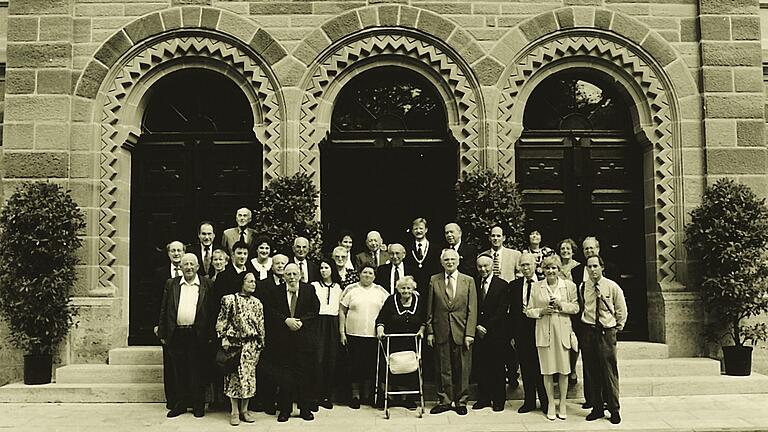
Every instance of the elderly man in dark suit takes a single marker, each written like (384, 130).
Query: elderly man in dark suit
(293, 309)
(492, 336)
(309, 271)
(186, 328)
(467, 252)
(451, 326)
(374, 256)
(388, 274)
(239, 233)
(524, 333)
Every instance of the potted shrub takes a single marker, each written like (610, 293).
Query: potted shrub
(486, 198)
(728, 235)
(39, 227)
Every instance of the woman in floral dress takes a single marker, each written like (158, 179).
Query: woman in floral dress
(241, 323)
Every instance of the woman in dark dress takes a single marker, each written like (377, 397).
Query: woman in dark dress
(403, 312)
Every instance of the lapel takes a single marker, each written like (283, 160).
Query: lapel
(176, 296)
(441, 288)
(201, 297)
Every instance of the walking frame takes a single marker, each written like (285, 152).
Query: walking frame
(384, 347)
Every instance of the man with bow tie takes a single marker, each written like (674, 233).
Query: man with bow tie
(239, 233)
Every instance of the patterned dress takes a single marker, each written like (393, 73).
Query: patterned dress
(241, 322)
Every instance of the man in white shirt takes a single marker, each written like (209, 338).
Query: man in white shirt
(308, 269)
(374, 256)
(186, 328)
(603, 316)
(388, 274)
(504, 259)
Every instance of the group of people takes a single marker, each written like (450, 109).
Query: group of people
(289, 321)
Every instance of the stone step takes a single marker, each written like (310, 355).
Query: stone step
(153, 355)
(136, 355)
(670, 367)
(82, 393)
(109, 374)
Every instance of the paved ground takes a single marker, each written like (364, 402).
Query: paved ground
(687, 413)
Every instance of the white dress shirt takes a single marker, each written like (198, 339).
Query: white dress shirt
(188, 296)
(401, 274)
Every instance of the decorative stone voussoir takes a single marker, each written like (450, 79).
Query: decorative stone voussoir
(603, 19)
(659, 48)
(629, 27)
(467, 48)
(239, 27)
(190, 16)
(144, 27)
(731, 54)
(39, 7)
(274, 53)
(369, 17)
(539, 26)
(745, 106)
(681, 78)
(39, 55)
(210, 18)
(732, 161)
(435, 25)
(171, 18)
(342, 25)
(388, 15)
(113, 48)
(488, 70)
(91, 79)
(565, 18)
(408, 16)
(35, 164)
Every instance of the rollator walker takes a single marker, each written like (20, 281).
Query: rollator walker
(399, 363)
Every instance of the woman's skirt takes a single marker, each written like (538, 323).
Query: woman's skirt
(362, 358)
(241, 384)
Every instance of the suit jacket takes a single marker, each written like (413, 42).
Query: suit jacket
(451, 320)
(508, 259)
(468, 259)
(523, 327)
(229, 281)
(366, 258)
(424, 269)
(196, 248)
(205, 316)
(610, 271)
(384, 275)
(492, 309)
(232, 235)
(313, 269)
(285, 343)
(545, 323)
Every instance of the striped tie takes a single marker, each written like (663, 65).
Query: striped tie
(496, 264)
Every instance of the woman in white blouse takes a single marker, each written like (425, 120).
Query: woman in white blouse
(552, 301)
(360, 305)
(328, 290)
(262, 262)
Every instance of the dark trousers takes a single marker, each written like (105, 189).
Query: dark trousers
(489, 367)
(266, 387)
(511, 363)
(188, 356)
(325, 356)
(533, 382)
(453, 364)
(168, 379)
(599, 357)
(294, 385)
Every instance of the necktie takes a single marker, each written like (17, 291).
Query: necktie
(207, 259)
(528, 293)
(292, 305)
(397, 276)
(450, 287)
(484, 290)
(597, 306)
(496, 264)
(242, 235)
(177, 272)
(303, 273)
(375, 258)
(419, 252)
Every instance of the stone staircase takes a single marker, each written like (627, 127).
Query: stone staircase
(134, 374)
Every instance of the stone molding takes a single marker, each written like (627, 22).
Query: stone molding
(659, 126)
(120, 121)
(414, 51)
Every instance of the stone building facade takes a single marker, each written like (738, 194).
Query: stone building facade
(79, 75)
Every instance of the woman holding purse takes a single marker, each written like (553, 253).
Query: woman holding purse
(241, 325)
(552, 302)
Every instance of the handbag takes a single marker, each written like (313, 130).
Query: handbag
(228, 360)
(574, 342)
(403, 362)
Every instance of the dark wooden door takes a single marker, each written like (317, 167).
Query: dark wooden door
(575, 185)
(177, 181)
(379, 183)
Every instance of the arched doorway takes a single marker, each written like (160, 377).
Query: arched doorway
(579, 167)
(389, 157)
(197, 159)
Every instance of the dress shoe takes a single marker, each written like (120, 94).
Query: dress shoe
(177, 411)
(283, 417)
(595, 414)
(525, 408)
(481, 404)
(270, 410)
(354, 403)
(325, 403)
(234, 419)
(439, 409)
(247, 417)
(198, 412)
(461, 410)
(615, 417)
(586, 405)
(306, 415)
(498, 406)
(562, 413)
(314, 407)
